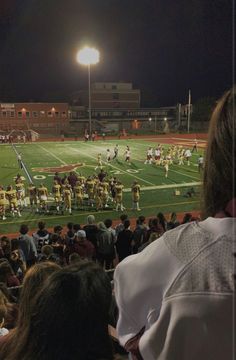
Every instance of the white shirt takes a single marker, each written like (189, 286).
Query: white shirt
(145, 282)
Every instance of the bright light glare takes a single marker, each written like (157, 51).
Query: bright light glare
(165, 119)
(88, 56)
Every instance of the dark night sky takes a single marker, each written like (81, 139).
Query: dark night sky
(164, 47)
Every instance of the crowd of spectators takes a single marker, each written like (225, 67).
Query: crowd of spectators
(27, 260)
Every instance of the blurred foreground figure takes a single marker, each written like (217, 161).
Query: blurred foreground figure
(175, 298)
(67, 319)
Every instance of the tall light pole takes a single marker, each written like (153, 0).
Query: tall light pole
(88, 56)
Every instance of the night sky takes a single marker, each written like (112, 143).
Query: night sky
(164, 47)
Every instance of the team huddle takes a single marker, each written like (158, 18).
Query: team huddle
(72, 191)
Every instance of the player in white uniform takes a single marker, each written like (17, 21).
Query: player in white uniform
(116, 149)
(188, 155)
(127, 155)
(149, 156)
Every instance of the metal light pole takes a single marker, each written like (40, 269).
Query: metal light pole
(189, 109)
(89, 102)
(88, 56)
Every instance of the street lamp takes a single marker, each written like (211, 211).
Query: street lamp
(88, 56)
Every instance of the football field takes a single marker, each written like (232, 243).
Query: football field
(43, 159)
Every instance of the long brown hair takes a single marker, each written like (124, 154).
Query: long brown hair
(219, 173)
(68, 318)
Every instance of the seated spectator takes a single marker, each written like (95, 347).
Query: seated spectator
(74, 258)
(3, 314)
(176, 298)
(7, 275)
(67, 320)
(33, 282)
(17, 259)
(76, 228)
(8, 301)
(5, 247)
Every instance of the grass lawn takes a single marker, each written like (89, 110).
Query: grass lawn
(42, 159)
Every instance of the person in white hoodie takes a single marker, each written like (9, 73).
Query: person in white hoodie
(175, 298)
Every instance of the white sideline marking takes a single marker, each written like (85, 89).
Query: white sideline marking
(169, 186)
(56, 157)
(178, 172)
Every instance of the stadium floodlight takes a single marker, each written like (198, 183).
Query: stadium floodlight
(88, 56)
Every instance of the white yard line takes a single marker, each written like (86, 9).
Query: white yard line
(113, 166)
(178, 172)
(50, 153)
(169, 186)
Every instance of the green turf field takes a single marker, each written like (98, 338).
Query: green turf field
(42, 159)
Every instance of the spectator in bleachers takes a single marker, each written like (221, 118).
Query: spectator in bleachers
(91, 230)
(41, 236)
(120, 226)
(68, 319)
(7, 275)
(3, 314)
(187, 218)
(82, 246)
(162, 220)
(152, 238)
(108, 223)
(32, 284)
(17, 259)
(176, 298)
(139, 234)
(154, 227)
(124, 241)
(58, 246)
(11, 315)
(105, 246)
(27, 245)
(5, 247)
(74, 258)
(173, 223)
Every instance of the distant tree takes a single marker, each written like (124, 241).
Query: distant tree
(202, 109)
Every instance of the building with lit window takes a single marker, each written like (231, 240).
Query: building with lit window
(45, 118)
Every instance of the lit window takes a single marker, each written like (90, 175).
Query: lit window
(4, 114)
(63, 114)
(49, 114)
(12, 114)
(42, 113)
(19, 114)
(35, 114)
(27, 114)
